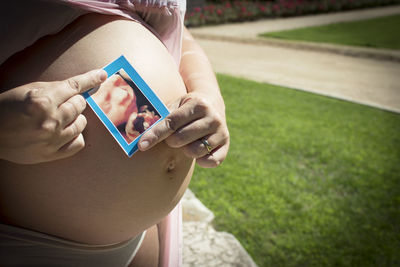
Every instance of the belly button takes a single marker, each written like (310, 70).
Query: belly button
(171, 165)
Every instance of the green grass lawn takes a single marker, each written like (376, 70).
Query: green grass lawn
(378, 33)
(309, 180)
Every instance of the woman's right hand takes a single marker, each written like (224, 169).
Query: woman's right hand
(43, 121)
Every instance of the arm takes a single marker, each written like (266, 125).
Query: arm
(198, 115)
(197, 72)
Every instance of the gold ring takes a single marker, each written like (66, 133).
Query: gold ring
(207, 145)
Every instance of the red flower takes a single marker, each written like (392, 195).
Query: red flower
(197, 9)
(219, 12)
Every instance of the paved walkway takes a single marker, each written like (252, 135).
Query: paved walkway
(369, 77)
(359, 78)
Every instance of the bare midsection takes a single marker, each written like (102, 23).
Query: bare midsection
(99, 195)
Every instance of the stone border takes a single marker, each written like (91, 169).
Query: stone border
(202, 244)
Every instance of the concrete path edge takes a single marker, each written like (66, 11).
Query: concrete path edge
(372, 53)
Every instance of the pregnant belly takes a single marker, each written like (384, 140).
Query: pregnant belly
(98, 196)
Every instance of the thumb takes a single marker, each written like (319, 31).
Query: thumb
(83, 82)
(75, 85)
(180, 115)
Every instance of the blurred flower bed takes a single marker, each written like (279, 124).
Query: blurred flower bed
(223, 11)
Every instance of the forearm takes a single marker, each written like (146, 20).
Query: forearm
(197, 72)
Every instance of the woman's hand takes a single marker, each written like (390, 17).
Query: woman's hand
(194, 117)
(43, 121)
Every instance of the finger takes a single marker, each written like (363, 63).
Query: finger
(72, 130)
(185, 114)
(191, 132)
(197, 149)
(215, 158)
(70, 110)
(64, 90)
(71, 148)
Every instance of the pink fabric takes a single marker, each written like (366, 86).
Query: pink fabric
(19, 29)
(163, 17)
(170, 233)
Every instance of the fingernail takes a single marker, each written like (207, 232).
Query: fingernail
(144, 145)
(102, 75)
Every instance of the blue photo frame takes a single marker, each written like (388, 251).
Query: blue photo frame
(156, 105)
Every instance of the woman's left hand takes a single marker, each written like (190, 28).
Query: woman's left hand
(195, 121)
